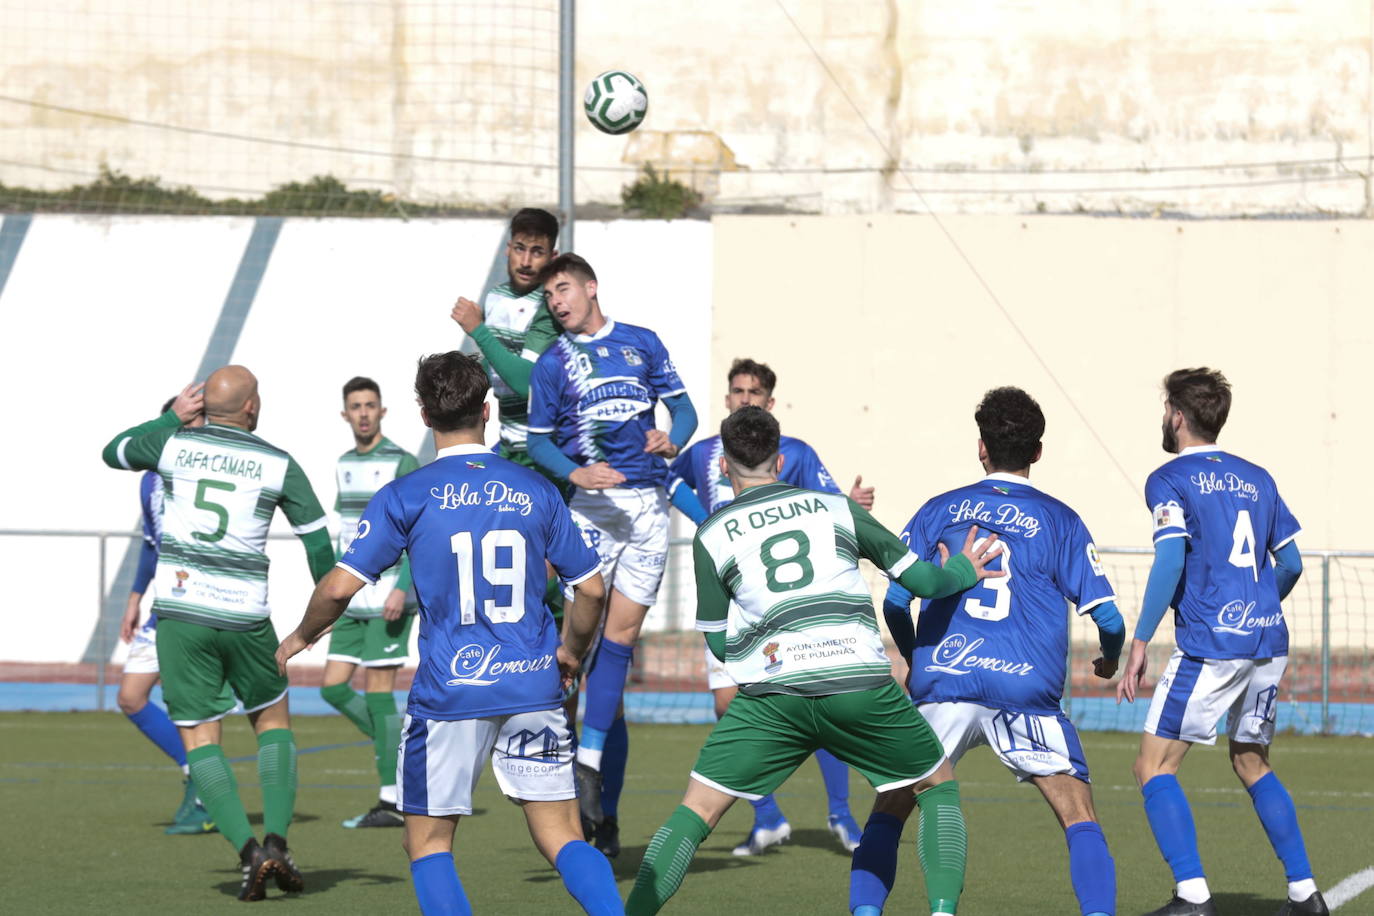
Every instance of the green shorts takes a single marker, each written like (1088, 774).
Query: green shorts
(760, 740)
(204, 669)
(371, 642)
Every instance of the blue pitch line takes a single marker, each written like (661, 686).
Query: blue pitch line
(12, 232)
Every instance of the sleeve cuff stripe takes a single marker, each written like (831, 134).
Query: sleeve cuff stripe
(529, 356)
(119, 453)
(1286, 541)
(672, 394)
(349, 569)
(1171, 534)
(538, 429)
(711, 626)
(578, 580)
(308, 527)
(1085, 608)
(902, 565)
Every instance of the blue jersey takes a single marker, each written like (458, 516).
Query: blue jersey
(1004, 642)
(596, 394)
(1230, 512)
(477, 528)
(699, 468)
(150, 503)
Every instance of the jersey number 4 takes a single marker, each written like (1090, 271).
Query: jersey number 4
(1243, 544)
(511, 574)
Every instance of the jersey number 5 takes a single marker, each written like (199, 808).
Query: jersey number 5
(203, 501)
(1000, 588)
(512, 574)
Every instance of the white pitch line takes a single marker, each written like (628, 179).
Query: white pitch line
(1350, 888)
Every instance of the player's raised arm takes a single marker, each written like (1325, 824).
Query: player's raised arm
(138, 448)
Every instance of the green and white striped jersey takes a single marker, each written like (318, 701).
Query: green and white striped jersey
(523, 326)
(221, 485)
(360, 475)
(777, 570)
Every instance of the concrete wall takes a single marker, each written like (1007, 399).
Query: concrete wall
(1000, 106)
(884, 339)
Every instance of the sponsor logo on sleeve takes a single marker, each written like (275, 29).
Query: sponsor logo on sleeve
(1094, 560)
(364, 529)
(1168, 515)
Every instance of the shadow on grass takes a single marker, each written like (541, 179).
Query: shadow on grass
(816, 838)
(626, 865)
(317, 881)
(1242, 904)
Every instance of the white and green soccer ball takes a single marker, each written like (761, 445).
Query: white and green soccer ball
(615, 102)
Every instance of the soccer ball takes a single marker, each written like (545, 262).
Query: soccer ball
(615, 102)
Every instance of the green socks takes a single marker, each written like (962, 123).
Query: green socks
(942, 842)
(386, 734)
(277, 773)
(351, 703)
(666, 860)
(219, 792)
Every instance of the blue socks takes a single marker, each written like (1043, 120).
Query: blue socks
(437, 886)
(767, 814)
(605, 687)
(1171, 821)
(1279, 817)
(588, 877)
(836, 777)
(152, 720)
(874, 867)
(614, 756)
(1091, 868)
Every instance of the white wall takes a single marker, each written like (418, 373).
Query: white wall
(104, 319)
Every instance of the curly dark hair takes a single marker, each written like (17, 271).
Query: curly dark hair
(1203, 396)
(750, 436)
(452, 388)
(1010, 424)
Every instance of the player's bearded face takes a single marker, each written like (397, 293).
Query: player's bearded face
(526, 255)
(1170, 442)
(747, 391)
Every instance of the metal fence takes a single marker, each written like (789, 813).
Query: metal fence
(1329, 687)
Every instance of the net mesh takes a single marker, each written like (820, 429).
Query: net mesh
(336, 106)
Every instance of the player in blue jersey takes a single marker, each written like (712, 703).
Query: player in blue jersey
(1218, 521)
(140, 666)
(592, 398)
(478, 529)
(751, 384)
(988, 664)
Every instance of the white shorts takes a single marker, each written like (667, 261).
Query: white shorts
(142, 658)
(1194, 693)
(716, 678)
(1027, 744)
(628, 529)
(439, 761)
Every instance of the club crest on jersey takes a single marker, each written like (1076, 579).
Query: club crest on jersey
(631, 356)
(180, 588)
(774, 663)
(348, 476)
(1236, 618)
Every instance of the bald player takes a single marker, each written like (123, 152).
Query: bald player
(221, 486)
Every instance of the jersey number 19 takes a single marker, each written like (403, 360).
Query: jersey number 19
(511, 574)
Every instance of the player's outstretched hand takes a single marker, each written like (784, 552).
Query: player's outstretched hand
(290, 647)
(569, 666)
(1135, 670)
(467, 314)
(132, 608)
(599, 476)
(190, 403)
(979, 552)
(861, 494)
(1103, 668)
(658, 443)
(394, 605)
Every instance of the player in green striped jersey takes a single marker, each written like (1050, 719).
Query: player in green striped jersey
(782, 603)
(375, 629)
(512, 327)
(221, 486)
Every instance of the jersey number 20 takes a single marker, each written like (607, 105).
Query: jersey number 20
(512, 575)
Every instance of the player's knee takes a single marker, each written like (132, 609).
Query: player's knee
(130, 704)
(898, 803)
